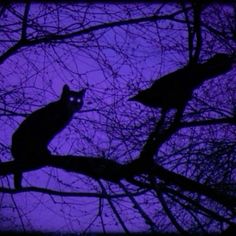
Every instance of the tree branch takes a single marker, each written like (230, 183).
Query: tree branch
(23, 42)
(100, 168)
(116, 213)
(169, 214)
(229, 120)
(24, 20)
(69, 194)
(97, 168)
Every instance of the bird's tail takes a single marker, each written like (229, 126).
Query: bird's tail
(217, 65)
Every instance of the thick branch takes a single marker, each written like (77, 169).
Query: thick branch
(100, 168)
(97, 168)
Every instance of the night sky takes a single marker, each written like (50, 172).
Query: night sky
(121, 165)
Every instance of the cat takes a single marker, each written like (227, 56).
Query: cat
(30, 141)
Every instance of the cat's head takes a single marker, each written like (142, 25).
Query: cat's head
(72, 99)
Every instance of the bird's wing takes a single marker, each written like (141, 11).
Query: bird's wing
(177, 78)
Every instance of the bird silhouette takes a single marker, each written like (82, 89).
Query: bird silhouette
(174, 90)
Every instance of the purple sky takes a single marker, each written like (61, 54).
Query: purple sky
(113, 63)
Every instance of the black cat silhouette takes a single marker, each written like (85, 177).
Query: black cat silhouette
(30, 141)
(174, 90)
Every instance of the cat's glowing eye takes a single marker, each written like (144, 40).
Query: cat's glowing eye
(71, 99)
(78, 100)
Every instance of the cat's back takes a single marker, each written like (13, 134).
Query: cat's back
(42, 120)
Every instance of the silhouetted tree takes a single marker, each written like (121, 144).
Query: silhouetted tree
(121, 166)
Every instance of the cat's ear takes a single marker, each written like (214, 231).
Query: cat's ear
(66, 89)
(82, 92)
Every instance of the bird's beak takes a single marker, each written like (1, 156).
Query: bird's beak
(132, 99)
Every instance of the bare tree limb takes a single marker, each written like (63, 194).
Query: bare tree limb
(99, 168)
(120, 220)
(59, 38)
(25, 19)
